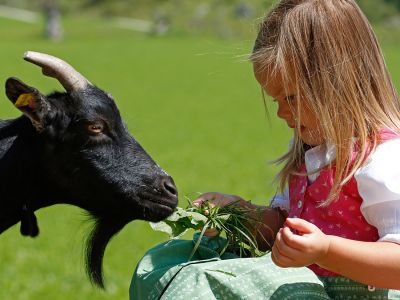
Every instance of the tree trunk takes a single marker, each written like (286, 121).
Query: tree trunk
(53, 28)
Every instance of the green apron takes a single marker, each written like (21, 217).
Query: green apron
(165, 273)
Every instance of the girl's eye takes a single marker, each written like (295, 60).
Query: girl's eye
(290, 98)
(95, 128)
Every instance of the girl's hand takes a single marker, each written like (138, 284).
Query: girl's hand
(306, 247)
(219, 199)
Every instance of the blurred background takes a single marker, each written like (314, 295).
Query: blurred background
(178, 70)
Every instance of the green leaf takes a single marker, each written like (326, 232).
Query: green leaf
(224, 216)
(179, 213)
(196, 246)
(197, 217)
(177, 223)
(161, 226)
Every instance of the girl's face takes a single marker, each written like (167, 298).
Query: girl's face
(301, 119)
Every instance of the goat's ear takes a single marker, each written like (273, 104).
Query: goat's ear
(28, 100)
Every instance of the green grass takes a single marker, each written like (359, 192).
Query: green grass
(191, 102)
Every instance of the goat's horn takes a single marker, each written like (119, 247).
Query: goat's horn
(54, 67)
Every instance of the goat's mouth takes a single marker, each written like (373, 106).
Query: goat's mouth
(148, 206)
(155, 209)
(152, 209)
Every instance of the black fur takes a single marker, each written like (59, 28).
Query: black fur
(49, 156)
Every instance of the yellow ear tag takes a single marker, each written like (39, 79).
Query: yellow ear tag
(25, 100)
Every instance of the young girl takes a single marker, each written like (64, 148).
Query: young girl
(320, 62)
(339, 211)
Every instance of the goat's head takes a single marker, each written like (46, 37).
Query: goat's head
(90, 157)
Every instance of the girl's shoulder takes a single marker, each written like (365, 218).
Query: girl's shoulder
(386, 151)
(378, 179)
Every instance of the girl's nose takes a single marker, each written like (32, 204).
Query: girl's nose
(283, 111)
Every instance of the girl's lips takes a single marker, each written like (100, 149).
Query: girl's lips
(301, 128)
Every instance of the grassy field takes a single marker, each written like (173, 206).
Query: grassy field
(192, 103)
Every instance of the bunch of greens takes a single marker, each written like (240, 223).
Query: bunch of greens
(238, 225)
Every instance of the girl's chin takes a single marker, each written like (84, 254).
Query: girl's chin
(309, 137)
(301, 131)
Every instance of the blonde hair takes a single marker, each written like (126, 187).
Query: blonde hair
(329, 50)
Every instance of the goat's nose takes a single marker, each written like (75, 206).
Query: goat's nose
(169, 186)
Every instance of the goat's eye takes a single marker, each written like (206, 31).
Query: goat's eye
(95, 128)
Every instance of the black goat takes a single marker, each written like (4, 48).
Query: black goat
(73, 148)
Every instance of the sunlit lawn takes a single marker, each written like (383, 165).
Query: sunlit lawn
(192, 103)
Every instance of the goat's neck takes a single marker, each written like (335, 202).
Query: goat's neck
(23, 184)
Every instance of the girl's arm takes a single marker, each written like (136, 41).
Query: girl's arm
(272, 220)
(372, 263)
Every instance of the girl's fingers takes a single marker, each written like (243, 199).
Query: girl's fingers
(300, 225)
(206, 197)
(211, 232)
(283, 247)
(292, 240)
(279, 259)
(198, 202)
(217, 199)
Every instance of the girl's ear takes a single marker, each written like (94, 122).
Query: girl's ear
(29, 101)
